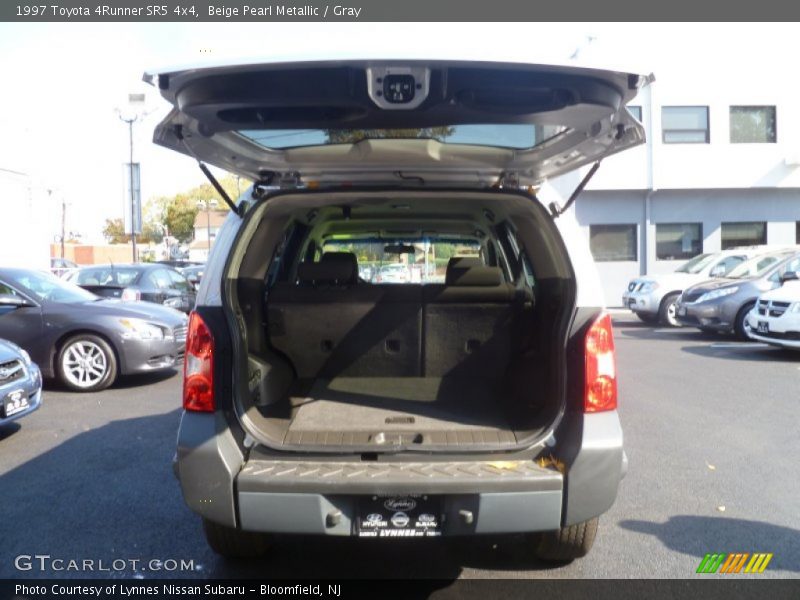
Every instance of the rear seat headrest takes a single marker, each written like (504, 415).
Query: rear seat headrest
(334, 268)
(475, 276)
(463, 262)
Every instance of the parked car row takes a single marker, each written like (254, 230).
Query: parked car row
(84, 340)
(152, 282)
(751, 292)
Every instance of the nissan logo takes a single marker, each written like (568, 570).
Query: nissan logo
(400, 504)
(400, 519)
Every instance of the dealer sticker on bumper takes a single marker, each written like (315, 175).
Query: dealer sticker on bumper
(399, 516)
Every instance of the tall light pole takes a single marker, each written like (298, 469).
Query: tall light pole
(132, 114)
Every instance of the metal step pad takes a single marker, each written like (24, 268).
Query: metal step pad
(260, 475)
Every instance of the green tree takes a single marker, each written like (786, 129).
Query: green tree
(114, 232)
(178, 212)
(351, 136)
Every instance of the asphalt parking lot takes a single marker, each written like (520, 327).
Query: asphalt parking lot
(711, 435)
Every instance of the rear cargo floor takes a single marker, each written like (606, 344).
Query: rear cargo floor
(400, 404)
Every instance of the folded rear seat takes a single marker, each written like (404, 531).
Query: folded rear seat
(471, 322)
(329, 325)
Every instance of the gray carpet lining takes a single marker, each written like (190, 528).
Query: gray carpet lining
(419, 404)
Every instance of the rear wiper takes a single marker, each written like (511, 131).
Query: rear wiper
(209, 175)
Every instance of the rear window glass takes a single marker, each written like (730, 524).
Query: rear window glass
(403, 261)
(517, 136)
(106, 276)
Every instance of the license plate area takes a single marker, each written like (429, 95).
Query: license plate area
(398, 516)
(14, 403)
(763, 327)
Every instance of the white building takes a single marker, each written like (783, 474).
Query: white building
(721, 168)
(25, 230)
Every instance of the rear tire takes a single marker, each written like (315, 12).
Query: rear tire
(667, 312)
(739, 323)
(647, 318)
(234, 543)
(567, 543)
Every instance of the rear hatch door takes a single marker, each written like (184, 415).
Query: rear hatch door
(422, 122)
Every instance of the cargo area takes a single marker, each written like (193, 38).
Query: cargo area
(453, 352)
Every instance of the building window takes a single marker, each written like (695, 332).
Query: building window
(613, 242)
(685, 124)
(636, 111)
(753, 125)
(797, 232)
(678, 240)
(744, 234)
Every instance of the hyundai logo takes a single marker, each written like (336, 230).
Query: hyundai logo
(400, 504)
(374, 518)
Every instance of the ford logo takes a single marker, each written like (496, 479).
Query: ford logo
(400, 519)
(400, 504)
(426, 518)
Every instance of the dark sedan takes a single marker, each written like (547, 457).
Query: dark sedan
(20, 383)
(83, 340)
(151, 282)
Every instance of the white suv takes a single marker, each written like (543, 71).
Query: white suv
(479, 398)
(775, 319)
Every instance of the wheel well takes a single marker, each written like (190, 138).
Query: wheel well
(746, 308)
(70, 334)
(664, 299)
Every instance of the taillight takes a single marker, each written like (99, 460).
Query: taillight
(601, 372)
(130, 295)
(198, 367)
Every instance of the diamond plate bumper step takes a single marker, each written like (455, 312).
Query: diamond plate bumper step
(261, 475)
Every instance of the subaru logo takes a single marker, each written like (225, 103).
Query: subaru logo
(400, 504)
(400, 519)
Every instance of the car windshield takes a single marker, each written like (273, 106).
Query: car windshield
(107, 276)
(45, 286)
(696, 264)
(517, 136)
(755, 266)
(403, 261)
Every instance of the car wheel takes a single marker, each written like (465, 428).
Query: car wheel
(647, 318)
(567, 543)
(667, 312)
(234, 543)
(86, 363)
(740, 324)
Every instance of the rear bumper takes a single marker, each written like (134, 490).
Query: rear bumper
(272, 493)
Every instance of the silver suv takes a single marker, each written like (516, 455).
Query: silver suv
(479, 394)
